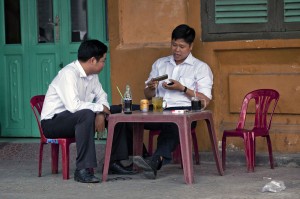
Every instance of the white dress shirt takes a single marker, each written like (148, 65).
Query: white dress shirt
(187, 73)
(73, 90)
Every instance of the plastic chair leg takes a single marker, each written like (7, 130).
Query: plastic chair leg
(224, 152)
(65, 160)
(248, 152)
(176, 155)
(270, 152)
(41, 159)
(150, 144)
(54, 157)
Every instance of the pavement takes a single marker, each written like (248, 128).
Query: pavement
(19, 168)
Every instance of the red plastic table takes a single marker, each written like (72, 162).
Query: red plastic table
(183, 121)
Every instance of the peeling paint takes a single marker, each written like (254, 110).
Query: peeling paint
(230, 147)
(292, 66)
(292, 142)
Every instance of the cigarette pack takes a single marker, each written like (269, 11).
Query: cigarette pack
(179, 111)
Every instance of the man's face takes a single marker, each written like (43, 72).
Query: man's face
(180, 50)
(98, 66)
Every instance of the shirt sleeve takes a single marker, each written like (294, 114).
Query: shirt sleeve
(154, 71)
(100, 95)
(205, 80)
(75, 97)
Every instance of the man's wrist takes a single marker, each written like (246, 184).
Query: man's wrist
(185, 89)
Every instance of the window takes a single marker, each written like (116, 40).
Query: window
(12, 22)
(256, 19)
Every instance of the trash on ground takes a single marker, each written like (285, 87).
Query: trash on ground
(274, 186)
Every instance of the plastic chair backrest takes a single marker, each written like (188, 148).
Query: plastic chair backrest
(263, 99)
(36, 104)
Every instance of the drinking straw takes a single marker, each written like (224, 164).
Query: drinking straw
(120, 92)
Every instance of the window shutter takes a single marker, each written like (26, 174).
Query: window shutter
(224, 20)
(239, 11)
(291, 10)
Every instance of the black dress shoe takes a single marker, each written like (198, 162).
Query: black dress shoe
(85, 176)
(117, 168)
(149, 166)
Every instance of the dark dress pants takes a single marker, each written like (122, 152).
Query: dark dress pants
(80, 125)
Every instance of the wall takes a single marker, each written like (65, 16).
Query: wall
(140, 32)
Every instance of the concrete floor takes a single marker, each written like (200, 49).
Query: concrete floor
(18, 179)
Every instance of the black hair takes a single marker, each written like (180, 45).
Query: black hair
(91, 48)
(184, 32)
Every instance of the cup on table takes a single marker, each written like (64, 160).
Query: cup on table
(159, 104)
(198, 104)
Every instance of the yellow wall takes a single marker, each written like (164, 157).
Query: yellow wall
(140, 32)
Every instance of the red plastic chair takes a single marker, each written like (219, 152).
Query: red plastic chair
(36, 104)
(177, 153)
(263, 118)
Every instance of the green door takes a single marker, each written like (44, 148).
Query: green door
(38, 38)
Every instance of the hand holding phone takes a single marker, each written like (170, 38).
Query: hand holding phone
(169, 83)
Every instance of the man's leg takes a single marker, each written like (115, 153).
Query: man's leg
(80, 125)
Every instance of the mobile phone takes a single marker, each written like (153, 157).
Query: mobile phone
(159, 78)
(169, 82)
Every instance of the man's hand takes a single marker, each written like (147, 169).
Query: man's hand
(106, 110)
(175, 86)
(100, 119)
(100, 122)
(152, 84)
(149, 91)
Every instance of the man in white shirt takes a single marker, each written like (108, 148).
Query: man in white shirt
(188, 76)
(76, 106)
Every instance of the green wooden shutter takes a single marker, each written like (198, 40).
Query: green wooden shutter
(241, 11)
(291, 10)
(253, 19)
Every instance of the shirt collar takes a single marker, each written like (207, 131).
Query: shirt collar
(189, 60)
(81, 71)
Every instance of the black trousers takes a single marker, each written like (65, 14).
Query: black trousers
(81, 125)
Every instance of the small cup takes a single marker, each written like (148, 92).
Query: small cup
(144, 105)
(197, 104)
(159, 104)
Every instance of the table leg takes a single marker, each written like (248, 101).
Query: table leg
(186, 151)
(109, 140)
(214, 144)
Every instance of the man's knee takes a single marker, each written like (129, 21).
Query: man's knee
(86, 115)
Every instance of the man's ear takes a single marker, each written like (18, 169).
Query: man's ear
(191, 46)
(92, 60)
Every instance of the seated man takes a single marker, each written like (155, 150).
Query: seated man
(188, 76)
(76, 106)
